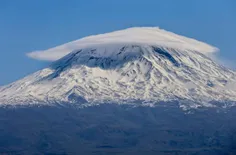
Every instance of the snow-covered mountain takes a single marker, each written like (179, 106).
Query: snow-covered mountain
(143, 65)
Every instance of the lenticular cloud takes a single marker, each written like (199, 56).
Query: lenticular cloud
(137, 35)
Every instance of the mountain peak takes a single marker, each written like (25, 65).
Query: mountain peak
(130, 36)
(128, 66)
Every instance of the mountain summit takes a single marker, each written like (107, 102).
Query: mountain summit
(135, 65)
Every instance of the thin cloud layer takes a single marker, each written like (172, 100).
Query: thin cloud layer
(49, 55)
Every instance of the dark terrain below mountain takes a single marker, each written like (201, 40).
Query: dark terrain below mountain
(117, 129)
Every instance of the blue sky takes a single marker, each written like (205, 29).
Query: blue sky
(27, 25)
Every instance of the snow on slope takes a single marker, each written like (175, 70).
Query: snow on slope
(127, 72)
(138, 35)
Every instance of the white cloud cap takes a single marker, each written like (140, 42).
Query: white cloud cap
(136, 35)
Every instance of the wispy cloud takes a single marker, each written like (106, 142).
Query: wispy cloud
(223, 61)
(50, 55)
(38, 55)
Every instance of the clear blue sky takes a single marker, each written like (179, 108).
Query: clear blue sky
(28, 25)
